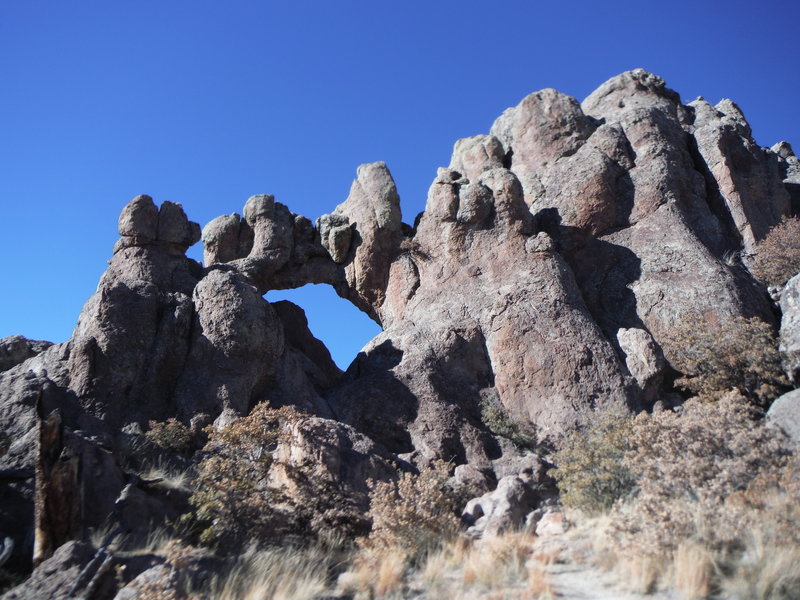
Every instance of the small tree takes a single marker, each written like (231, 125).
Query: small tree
(777, 256)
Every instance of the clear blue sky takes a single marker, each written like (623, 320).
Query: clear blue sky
(206, 103)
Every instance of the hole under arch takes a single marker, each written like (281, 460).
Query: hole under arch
(336, 322)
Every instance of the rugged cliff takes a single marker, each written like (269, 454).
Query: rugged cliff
(554, 257)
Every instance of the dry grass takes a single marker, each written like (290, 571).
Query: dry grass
(496, 567)
(375, 573)
(693, 570)
(539, 585)
(275, 574)
(764, 570)
(168, 476)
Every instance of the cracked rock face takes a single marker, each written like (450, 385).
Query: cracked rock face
(554, 255)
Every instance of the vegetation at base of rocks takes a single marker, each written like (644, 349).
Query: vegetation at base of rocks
(173, 579)
(737, 354)
(504, 566)
(415, 513)
(590, 472)
(695, 470)
(244, 493)
(777, 256)
(171, 436)
(713, 488)
(235, 501)
(284, 573)
(496, 418)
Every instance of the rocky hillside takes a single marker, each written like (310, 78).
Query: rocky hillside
(543, 283)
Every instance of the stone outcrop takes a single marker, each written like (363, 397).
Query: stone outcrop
(790, 327)
(16, 349)
(555, 254)
(785, 415)
(501, 510)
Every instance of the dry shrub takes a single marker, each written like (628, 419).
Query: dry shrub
(708, 476)
(688, 465)
(416, 513)
(590, 473)
(234, 502)
(737, 354)
(171, 436)
(777, 256)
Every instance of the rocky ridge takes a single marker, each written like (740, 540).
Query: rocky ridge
(553, 258)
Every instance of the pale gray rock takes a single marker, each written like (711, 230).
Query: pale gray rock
(54, 578)
(139, 219)
(467, 327)
(373, 209)
(175, 228)
(789, 168)
(741, 174)
(501, 510)
(238, 332)
(336, 235)
(644, 360)
(474, 155)
(784, 414)
(790, 327)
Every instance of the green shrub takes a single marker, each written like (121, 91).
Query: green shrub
(590, 473)
(496, 418)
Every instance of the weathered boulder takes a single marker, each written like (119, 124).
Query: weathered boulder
(644, 361)
(54, 578)
(502, 510)
(784, 414)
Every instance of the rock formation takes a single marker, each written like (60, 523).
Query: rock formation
(554, 255)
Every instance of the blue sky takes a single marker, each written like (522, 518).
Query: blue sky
(206, 103)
